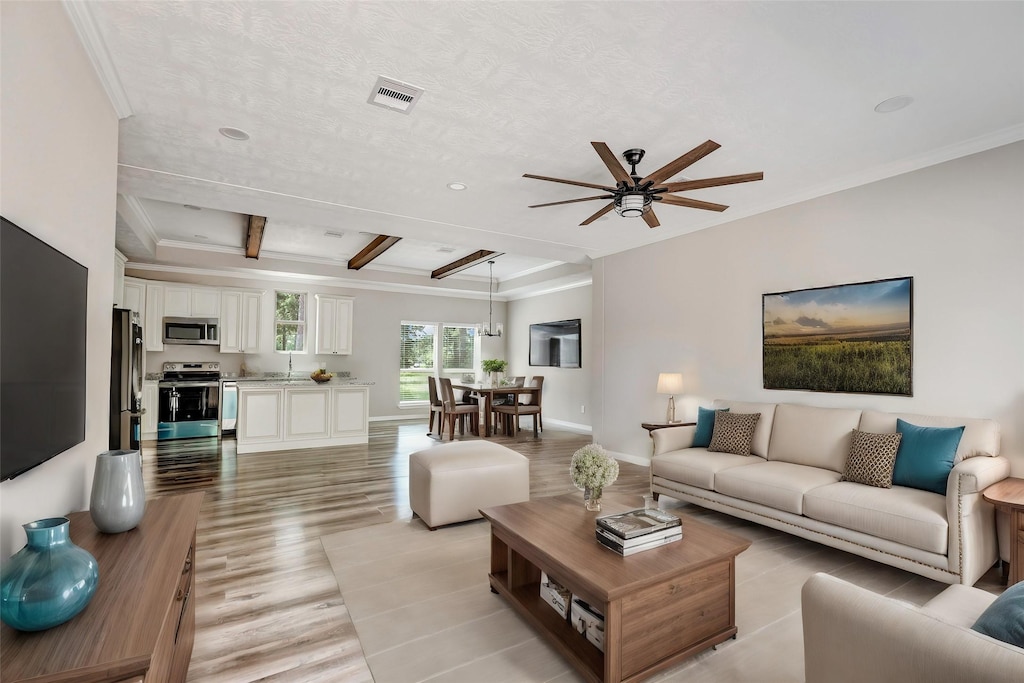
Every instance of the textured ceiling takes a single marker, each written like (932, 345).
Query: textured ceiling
(523, 87)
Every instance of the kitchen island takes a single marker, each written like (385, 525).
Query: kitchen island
(277, 414)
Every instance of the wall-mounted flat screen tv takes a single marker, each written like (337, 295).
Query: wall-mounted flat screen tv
(555, 344)
(43, 317)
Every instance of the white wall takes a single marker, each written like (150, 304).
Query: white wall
(566, 390)
(58, 143)
(377, 316)
(957, 228)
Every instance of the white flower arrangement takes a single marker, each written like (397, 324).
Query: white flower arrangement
(592, 468)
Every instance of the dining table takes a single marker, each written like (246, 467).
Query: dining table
(487, 392)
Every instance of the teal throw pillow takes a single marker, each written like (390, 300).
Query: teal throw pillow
(925, 456)
(1004, 618)
(705, 427)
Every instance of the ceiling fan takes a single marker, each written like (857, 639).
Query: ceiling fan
(633, 196)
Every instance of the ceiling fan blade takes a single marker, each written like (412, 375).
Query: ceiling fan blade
(612, 163)
(570, 201)
(606, 209)
(712, 182)
(692, 203)
(570, 182)
(673, 167)
(650, 218)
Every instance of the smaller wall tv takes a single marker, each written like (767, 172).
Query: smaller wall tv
(555, 344)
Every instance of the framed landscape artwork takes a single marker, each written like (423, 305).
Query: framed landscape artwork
(853, 338)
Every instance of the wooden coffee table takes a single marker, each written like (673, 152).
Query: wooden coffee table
(661, 606)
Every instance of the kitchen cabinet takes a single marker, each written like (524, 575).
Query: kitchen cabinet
(333, 324)
(182, 301)
(119, 261)
(240, 321)
(289, 416)
(134, 297)
(152, 322)
(150, 409)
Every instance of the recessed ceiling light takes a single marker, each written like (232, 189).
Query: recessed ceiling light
(233, 133)
(201, 237)
(457, 186)
(192, 206)
(331, 233)
(893, 104)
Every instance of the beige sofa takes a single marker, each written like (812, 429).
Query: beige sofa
(792, 482)
(852, 635)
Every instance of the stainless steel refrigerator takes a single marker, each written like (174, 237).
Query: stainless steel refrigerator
(127, 370)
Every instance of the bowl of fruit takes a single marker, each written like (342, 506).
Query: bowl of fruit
(321, 376)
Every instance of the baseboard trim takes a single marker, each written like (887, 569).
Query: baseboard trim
(571, 426)
(385, 418)
(629, 457)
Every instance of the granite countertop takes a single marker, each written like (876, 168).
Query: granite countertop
(283, 379)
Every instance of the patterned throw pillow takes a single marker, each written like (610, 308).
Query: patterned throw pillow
(872, 458)
(733, 432)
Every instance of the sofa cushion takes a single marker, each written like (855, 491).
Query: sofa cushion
(959, 605)
(763, 430)
(818, 437)
(902, 515)
(925, 456)
(705, 427)
(1004, 618)
(733, 432)
(981, 436)
(696, 466)
(872, 458)
(780, 485)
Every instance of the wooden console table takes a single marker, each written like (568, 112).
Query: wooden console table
(140, 624)
(1008, 497)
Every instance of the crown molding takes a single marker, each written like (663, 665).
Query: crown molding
(327, 280)
(95, 47)
(139, 218)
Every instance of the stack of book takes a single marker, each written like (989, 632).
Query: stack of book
(638, 530)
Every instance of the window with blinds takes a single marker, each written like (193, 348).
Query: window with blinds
(424, 353)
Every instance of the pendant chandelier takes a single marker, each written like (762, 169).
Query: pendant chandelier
(489, 329)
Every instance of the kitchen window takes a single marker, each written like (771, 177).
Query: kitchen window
(290, 321)
(452, 353)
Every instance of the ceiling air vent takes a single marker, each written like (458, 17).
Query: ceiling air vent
(394, 95)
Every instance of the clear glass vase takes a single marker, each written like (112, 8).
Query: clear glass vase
(592, 499)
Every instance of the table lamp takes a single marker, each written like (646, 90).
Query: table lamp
(670, 383)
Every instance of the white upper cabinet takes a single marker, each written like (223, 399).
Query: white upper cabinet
(134, 298)
(333, 324)
(153, 320)
(240, 316)
(119, 261)
(181, 301)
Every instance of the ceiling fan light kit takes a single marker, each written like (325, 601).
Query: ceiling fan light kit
(633, 196)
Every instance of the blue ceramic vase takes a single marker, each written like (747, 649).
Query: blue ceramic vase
(48, 581)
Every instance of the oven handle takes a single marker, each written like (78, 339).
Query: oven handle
(164, 383)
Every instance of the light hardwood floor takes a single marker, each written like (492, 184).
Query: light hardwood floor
(268, 606)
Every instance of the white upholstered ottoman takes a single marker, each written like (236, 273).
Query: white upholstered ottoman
(451, 482)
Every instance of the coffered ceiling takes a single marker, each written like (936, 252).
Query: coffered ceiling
(514, 88)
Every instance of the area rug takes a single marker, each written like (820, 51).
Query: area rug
(423, 609)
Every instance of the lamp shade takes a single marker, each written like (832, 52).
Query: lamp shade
(670, 383)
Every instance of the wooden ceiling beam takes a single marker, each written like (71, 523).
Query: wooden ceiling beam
(464, 263)
(377, 246)
(254, 236)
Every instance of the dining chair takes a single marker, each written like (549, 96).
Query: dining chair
(460, 411)
(510, 412)
(505, 399)
(436, 406)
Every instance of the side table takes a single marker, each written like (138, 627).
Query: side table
(651, 426)
(1008, 497)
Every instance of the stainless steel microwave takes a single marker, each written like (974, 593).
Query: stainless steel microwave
(191, 331)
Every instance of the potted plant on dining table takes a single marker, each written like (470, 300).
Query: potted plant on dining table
(494, 367)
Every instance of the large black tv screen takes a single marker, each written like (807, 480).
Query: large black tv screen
(43, 319)
(555, 344)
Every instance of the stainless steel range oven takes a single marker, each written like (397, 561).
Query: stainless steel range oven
(189, 401)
